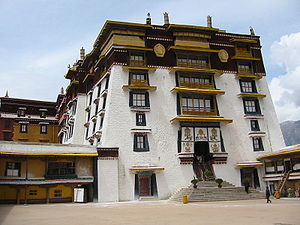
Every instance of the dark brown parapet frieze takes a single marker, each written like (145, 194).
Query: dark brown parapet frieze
(108, 152)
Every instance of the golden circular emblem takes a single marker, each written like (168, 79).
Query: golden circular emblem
(159, 50)
(223, 55)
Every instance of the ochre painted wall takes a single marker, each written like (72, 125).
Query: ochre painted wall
(33, 134)
(36, 168)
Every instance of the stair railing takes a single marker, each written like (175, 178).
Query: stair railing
(283, 181)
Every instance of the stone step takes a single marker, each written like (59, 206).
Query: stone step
(208, 191)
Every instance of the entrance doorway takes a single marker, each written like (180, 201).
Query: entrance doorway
(250, 175)
(145, 184)
(202, 159)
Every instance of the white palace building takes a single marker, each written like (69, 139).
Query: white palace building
(165, 103)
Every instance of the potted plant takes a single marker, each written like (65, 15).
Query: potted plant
(219, 181)
(208, 174)
(194, 182)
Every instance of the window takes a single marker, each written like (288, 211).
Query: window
(43, 114)
(270, 167)
(137, 59)
(248, 86)
(140, 143)
(195, 81)
(21, 112)
(32, 192)
(96, 109)
(57, 169)
(194, 61)
(197, 104)
(243, 49)
(245, 68)
(139, 99)
(138, 78)
(99, 90)
(101, 123)
(57, 193)
(87, 133)
(43, 129)
(257, 144)
(254, 125)
(251, 106)
(94, 127)
(90, 98)
(140, 119)
(23, 128)
(104, 103)
(13, 169)
(7, 124)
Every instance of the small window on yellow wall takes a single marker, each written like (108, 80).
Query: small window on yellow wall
(32, 192)
(57, 193)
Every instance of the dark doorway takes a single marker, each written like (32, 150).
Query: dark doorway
(145, 184)
(201, 149)
(287, 165)
(250, 175)
(202, 160)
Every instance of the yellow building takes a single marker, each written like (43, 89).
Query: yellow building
(45, 173)
(282, 168)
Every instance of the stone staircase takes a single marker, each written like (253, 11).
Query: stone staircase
(208, 191)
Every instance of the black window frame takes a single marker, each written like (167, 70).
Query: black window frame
(145, 147)
(256, 105)
(140, 119)
(13, 166)
(21, 128)
(131, 97)
(41, 129)
(254, 125)
(243, 87)
(259, 145)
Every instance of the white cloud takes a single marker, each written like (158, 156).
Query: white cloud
(285, 89)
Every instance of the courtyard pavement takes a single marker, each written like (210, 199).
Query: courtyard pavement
(246, 212)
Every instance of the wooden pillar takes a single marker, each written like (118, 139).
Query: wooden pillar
(18, 196)
(47, 195)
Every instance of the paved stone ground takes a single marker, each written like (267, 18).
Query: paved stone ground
(246, 212)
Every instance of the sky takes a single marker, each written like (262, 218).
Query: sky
(40, 38)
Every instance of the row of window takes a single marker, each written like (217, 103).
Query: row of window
(57, 193)
(197, 61)
(22, 112)
(24, 128)
(13, 169)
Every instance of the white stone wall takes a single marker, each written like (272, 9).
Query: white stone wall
(108, 187)
(119, 120)
(238, 144)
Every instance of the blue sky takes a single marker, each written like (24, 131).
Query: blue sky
(39, 38)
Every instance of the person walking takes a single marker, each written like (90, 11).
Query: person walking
(247, 186)
(268, 195)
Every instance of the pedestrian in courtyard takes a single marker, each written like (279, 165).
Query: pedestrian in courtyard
(247, 186)
(268, 195)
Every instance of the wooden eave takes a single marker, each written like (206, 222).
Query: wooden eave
(180, 48)
(89, 75)
(200, 119)
(139, 87)
(48, 154)
(196, 70)
(246, 58)
(251, 41)
(138, 68)
(249, 76)
(255, 95)
(294, 152)
(198, 90)
(71, 72)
